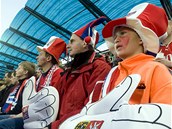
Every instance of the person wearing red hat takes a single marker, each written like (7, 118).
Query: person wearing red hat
(48, 60)
(165, 53)
(136, 39)
(86, 72)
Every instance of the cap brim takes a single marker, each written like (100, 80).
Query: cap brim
(39, 48)
(109, 27)
(148, 37)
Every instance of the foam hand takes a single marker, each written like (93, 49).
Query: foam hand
(39, 108)
(113, 111)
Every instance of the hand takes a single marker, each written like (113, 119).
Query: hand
(17, 116)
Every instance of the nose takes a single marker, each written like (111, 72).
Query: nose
(68, 46)
(116, 39)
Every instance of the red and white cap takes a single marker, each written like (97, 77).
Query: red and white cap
(88, 32)
(55, 46)
(148, 20)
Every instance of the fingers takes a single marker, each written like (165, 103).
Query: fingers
(29, 91)
(118, 96)
(44, 108)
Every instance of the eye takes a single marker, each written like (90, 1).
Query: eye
(71, 41)
(121, 33)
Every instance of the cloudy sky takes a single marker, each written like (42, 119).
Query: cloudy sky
(8, 10)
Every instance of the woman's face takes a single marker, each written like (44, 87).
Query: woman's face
(127, 43)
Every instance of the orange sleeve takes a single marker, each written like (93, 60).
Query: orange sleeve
(161, 89)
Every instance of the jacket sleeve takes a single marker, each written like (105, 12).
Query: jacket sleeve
(161, 89)
(99, 73)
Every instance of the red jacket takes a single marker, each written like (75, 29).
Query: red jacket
(75, 86)
(49, 78)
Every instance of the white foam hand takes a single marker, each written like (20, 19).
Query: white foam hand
(39, 108)
(113, 111)
(143, 116)
(117, 97)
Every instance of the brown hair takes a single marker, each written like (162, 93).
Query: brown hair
(53, 60)
(30, 67)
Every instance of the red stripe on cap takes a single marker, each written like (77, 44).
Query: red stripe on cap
(108, 29)
(151, 18)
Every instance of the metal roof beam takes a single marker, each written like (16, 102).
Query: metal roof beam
(50, 23)
(93, 9)
(24, 51)
(2, 70)
(28, 37)
(3, 67)
(167, 7)
(12, 57)
(7, 63)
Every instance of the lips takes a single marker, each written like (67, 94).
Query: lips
(118, 46)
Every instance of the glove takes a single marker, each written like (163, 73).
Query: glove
(39, 108)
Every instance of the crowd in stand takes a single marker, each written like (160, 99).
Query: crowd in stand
(132, 41)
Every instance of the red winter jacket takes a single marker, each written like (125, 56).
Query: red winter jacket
(76, 85)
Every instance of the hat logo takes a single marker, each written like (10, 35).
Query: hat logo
(131, 13)
(48, 44)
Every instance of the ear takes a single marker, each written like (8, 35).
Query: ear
(49, 58)
(84, 44)
(26, 72)
(140, 42)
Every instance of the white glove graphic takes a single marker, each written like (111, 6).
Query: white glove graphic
(39, 108)
(114, 112)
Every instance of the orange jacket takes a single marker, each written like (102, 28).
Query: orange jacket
(156, 81)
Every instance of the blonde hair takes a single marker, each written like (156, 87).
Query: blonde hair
(30, 67)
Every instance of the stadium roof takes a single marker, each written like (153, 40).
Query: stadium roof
(40, 19)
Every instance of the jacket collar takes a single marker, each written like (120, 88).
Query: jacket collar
(82, 59)
(132, 62)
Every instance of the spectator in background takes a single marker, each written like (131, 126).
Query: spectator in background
(6, 79)
(136, 39)
(11, 85)
(86, 71)
(38, 72)
(165, 53)
(12, 107)
(47, 60)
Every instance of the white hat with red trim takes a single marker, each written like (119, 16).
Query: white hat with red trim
(148, 20)
(55, 46)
